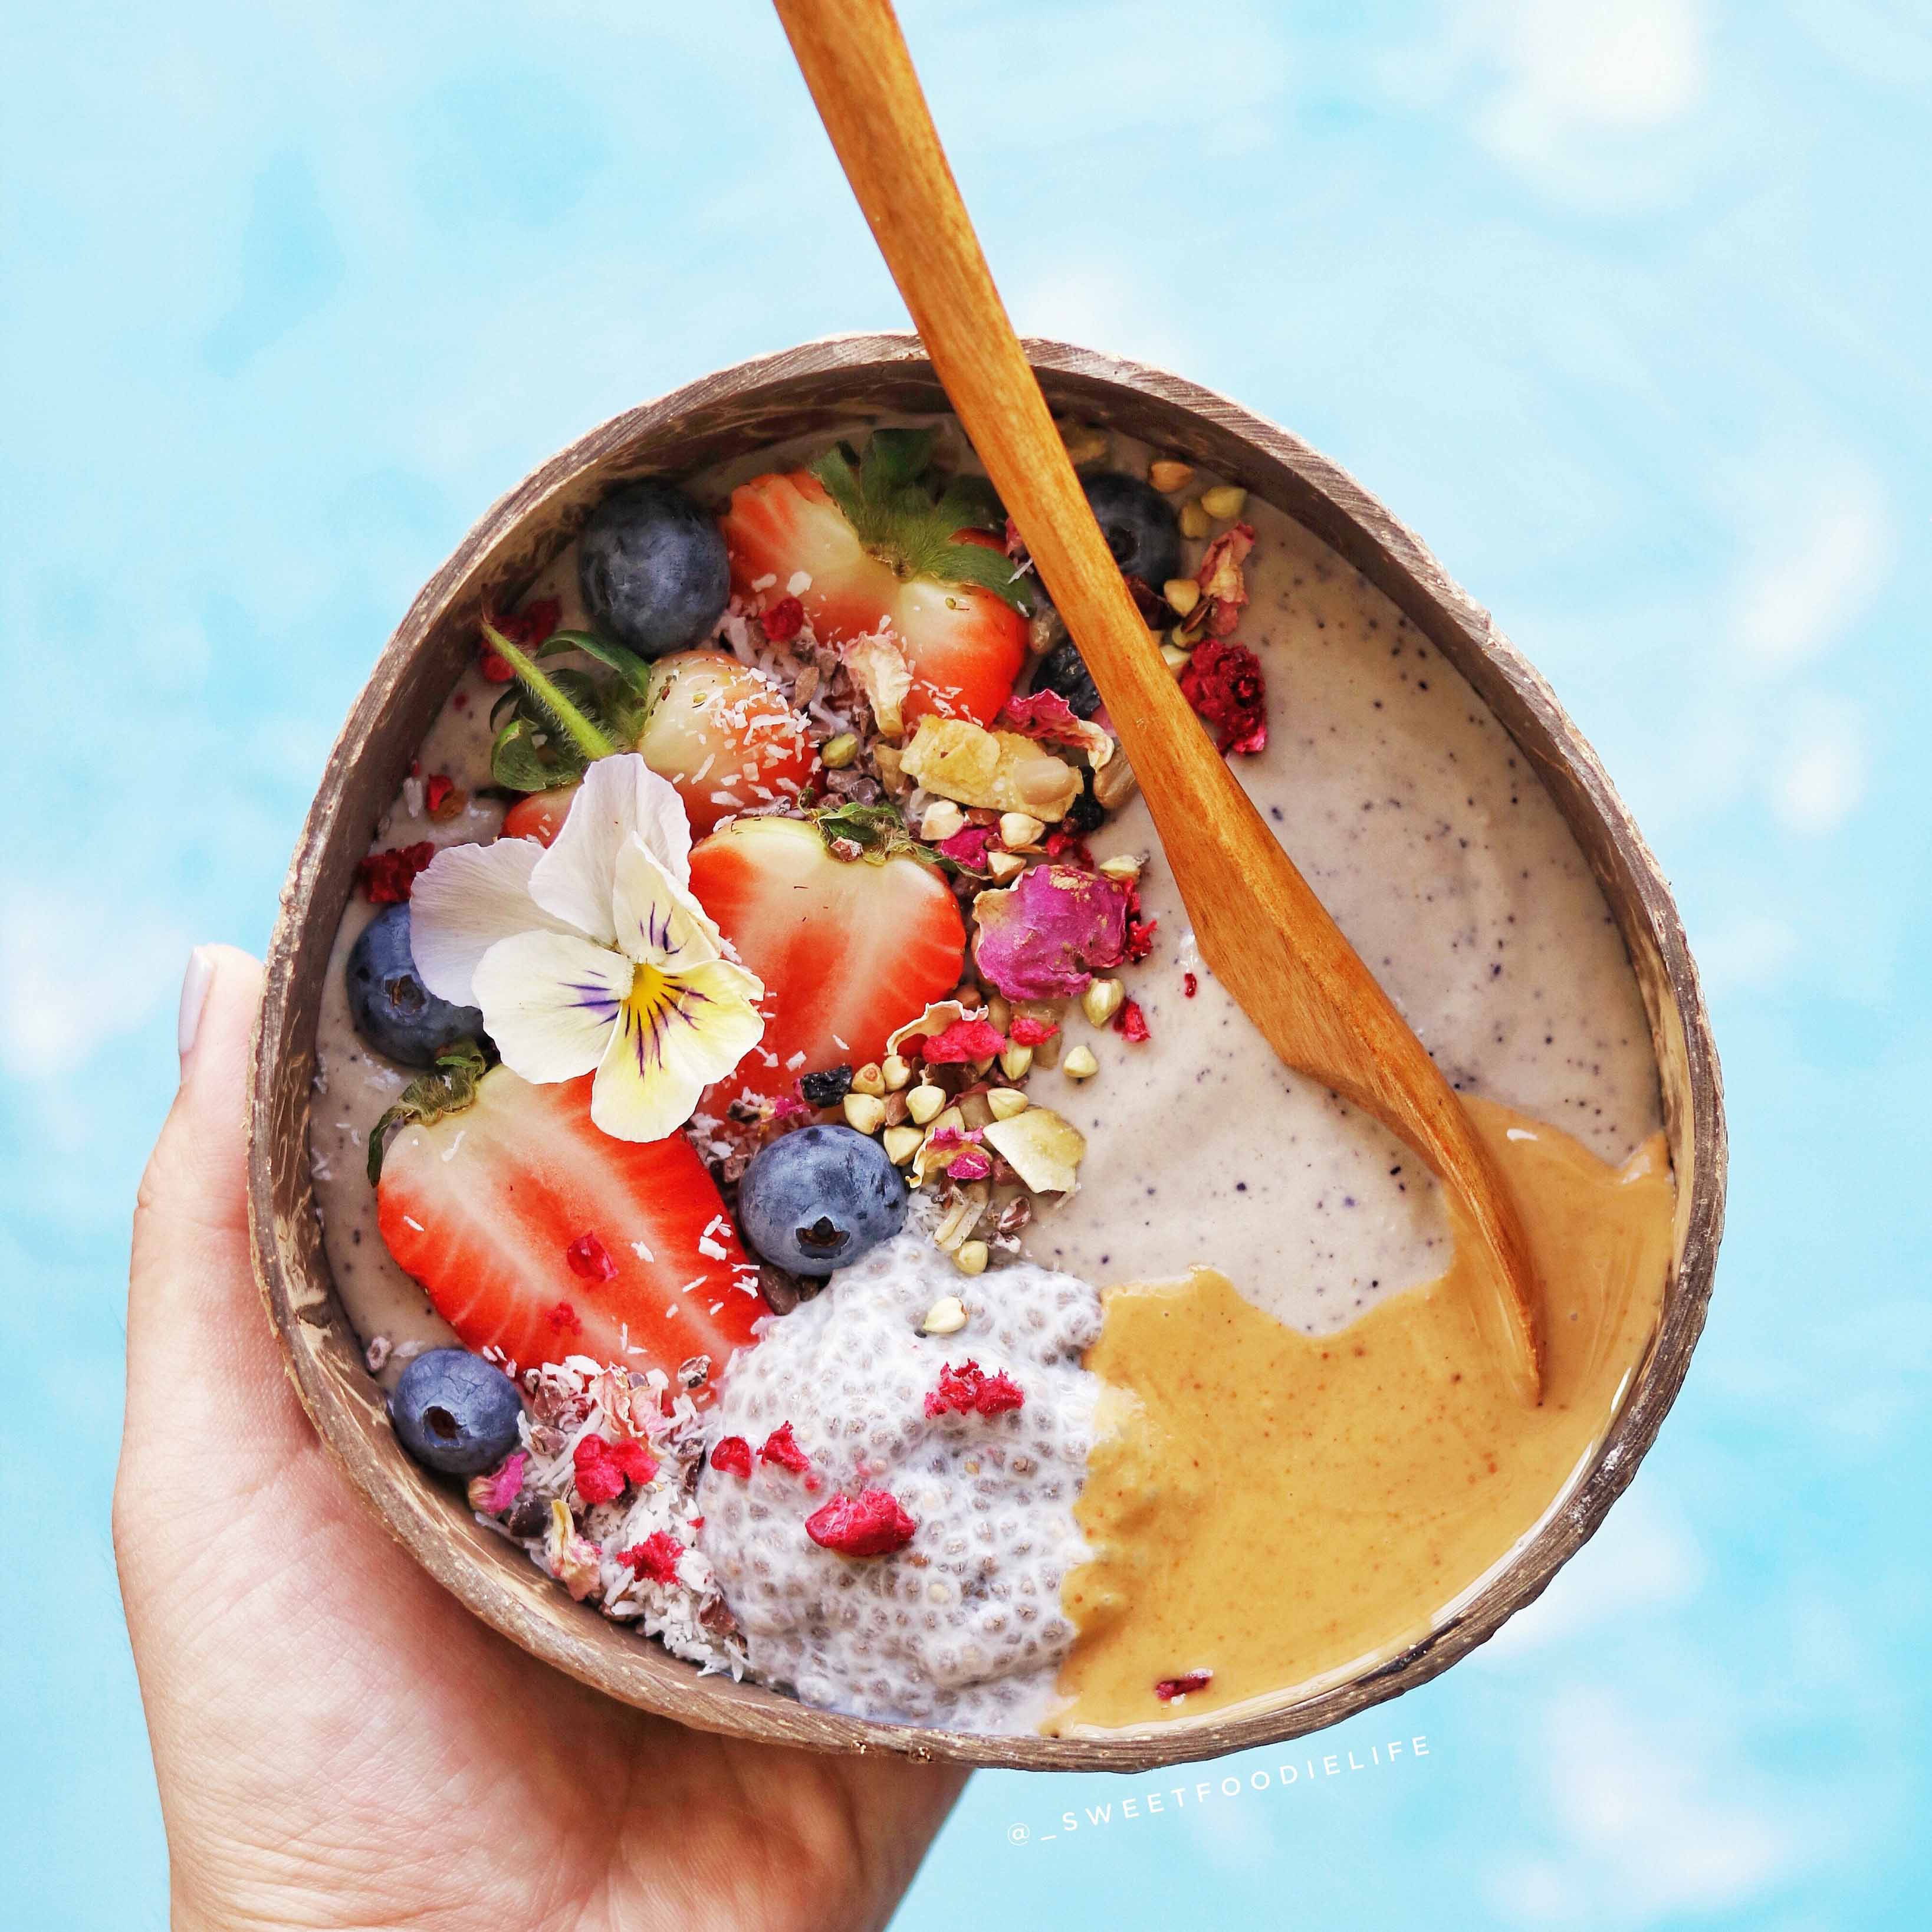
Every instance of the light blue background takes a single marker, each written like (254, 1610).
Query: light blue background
(1623, 303)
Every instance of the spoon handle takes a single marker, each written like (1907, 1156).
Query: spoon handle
(1259, 926)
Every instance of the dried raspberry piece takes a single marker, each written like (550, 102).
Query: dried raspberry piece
(655, 1558)
(783, 621)
(565, 1320)
(1189, 984)
(781, 1448)
(1140, 939)
(436, 789)
(1223, 683)
(1064, 848)
(871, 1524)
(1169, 1688)
(590, 1259)
(964, 1040)
(1131, 1022)
(529, 627)
(388, 877)
(733, 1456)
(602, 1468)
(969, 1391)
(1027, 1031)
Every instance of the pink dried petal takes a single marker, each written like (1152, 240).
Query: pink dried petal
(493, 1494)
(967, 847)
(1038, 939)
(970, 1165)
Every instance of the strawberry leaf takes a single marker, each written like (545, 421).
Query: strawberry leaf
(635, 672)
(557, 697)
(448, 1088)
(878, 831)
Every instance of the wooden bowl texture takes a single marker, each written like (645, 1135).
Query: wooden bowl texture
(733, 412)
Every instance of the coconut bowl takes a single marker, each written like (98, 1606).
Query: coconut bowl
(725, 415)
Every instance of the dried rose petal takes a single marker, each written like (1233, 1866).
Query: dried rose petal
(970, 1165)
(1038, 939)
(733, 1456)
(1046, 718)
(493, 1494)
(967, 847)
(573, 1559)
(870, 1524)
(1223, 587)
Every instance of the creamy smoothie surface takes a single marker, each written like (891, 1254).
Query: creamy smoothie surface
(1169, 1395)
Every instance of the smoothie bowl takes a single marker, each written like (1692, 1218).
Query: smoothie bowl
(765, 1200)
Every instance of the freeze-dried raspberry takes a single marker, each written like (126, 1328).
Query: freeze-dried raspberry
(1189, 984)
(590, 1259)
(969, 1391)
(602, 1468)
(388, 877)
(870, 1524)
(1169, 1688)
(655, 1558)
(781, 1448)
(530, 627)
(783, 621)
(964, 1040)
(1223, 683)
(1027, 1031)
(1140, 939)
(1131, 1022)
(732, 1455)
(565, 1320)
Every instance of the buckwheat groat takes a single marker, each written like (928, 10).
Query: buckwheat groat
(963, 1626)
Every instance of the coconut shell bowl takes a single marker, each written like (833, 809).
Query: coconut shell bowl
(739, 410)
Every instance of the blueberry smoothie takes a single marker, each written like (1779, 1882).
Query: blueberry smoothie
(780, 1146)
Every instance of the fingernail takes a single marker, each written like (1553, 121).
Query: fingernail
(195, 983)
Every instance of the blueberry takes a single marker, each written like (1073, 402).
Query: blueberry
(1139, 525)
(819, 1198)
(391, 1008)
(1086, 814)
(1064, 669)
(653, 569)
(454, 1412)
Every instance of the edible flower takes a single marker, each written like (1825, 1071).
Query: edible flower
(1038, 939)
(593, 954)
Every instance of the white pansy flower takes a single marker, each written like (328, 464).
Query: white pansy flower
(593, 954)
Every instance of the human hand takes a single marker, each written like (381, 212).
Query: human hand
(339, 1743)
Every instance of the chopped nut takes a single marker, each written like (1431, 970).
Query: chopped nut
(1121, 865)
(1015, 1061)
(946, 1316)
(942, 819)
(835, 753)
(902, 1143)
(1175, 658)
(1002, 866)
(1100, 1002)
(1080, 1065)
(1019, 828)
(1084, 443)
(1167, 475)
(970, 1257)
(962, 1217)
(1195, 520)
(870, 1079)
(1182, 592)
(1045, 1150)
(891, 767)
(1005, 1102)
(1225, 502)
(895, 1071)
(866, 1112)
(925, 1103)
(1115, 783)
(896, 1109)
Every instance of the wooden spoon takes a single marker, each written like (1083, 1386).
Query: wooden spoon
(1259, 927)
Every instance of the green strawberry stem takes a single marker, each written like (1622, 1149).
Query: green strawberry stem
(448, 1088)
(590, 737)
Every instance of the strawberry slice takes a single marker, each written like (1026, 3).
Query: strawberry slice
(849, 951)
(540, 815)
(882, 556)
(723, 734)
(534, 1233)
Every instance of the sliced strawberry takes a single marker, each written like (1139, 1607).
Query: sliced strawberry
(849, 952)
(882, 556)
(534, 1233)
(540, 815)
(723, 733)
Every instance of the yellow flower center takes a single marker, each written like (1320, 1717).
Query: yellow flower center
(651, 997)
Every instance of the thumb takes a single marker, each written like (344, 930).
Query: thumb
(203, 1366)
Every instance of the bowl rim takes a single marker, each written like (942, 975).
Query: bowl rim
(419, 664)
